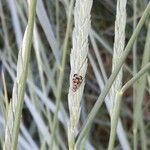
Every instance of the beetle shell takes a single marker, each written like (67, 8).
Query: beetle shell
(76, 80)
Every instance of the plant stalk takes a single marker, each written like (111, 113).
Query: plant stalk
(113, 75)
(21, 87)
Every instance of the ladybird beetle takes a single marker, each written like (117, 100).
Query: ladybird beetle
(77, 80)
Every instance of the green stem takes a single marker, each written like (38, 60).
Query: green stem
(114, 120)
(57, 22)
(113, 75)
(116, 109)
(137, 76)
(23, 76)
(140, 88)
(142, 131)
(5, 93)
(61, 75)
(134, 68)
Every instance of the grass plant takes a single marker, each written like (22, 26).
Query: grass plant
(40, 105)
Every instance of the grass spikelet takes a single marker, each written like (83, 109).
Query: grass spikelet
(119, 43)
(78, 60)
(15, 108)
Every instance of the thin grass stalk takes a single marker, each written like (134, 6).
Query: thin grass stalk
(78, 62)
(62, 68)
(114, 120)
(35, 100)
(107, 47)
(12, 129)
(136, 77)
(5, 31)
(135, 43)
(120, 131)
(119, 44)
(3, 95)
(98, 57)
(45, 65)
(38, 57)
(148, 79)
(5, 92)
(47, 28)
(103, 42)
(117, 105)
(134, 72)
(113, 75)
(42, 128)
(57, 23)
(38, 46)
(16, 23)
(39, 62)
(143, 136)
(140, 88)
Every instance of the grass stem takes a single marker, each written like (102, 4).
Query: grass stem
(23, 61)
(113, 75)
(61, 75)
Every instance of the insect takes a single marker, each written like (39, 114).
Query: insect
(77, 80)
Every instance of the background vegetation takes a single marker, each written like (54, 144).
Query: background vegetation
(45, 111)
